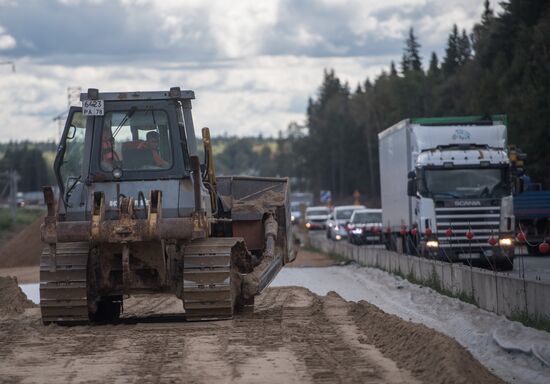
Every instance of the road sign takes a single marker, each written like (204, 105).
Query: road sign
(325, 196)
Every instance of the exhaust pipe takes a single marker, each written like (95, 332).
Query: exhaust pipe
(196, 174)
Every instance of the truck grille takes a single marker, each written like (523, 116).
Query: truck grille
(482, 221)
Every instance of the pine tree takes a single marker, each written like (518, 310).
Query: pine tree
(464, 48)
(451, 60)
(487, 15)
(393, 71)
(433, 69)
(411, 60)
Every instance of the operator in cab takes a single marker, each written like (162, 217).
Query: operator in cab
(152, 143)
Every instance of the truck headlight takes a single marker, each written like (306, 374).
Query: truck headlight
(432, 244)
(308, 225)
(505, 242)
(292, 218)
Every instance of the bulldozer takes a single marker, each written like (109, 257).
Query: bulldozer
(136, 212)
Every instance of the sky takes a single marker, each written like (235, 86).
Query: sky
(252, 64)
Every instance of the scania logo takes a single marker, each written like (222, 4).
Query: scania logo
(467, 203)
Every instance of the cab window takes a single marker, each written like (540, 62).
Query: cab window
(136, 140)
(70, 168)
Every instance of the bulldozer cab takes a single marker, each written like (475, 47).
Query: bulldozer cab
(131, 137)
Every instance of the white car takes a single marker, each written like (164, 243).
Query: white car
(316, 217)
(365, 226)
(340, 217)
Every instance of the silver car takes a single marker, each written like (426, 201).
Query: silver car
(340, 217)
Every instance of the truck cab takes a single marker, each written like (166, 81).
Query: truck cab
(458, 186)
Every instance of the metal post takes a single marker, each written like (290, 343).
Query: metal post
(14, 178)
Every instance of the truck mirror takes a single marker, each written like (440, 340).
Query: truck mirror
(411, 187)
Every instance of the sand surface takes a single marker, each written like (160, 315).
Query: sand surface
(292, 336)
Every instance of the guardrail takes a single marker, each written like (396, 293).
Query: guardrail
(503, 294)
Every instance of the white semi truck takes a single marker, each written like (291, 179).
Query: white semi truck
(446, 191)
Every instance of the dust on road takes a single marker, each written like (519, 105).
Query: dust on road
(293, 335)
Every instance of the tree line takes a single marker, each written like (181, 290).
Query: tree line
(28, 160)
(501, 66)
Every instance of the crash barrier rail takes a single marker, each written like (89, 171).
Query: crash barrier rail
(503, 294)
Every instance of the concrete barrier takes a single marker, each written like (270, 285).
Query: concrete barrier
(503, 294)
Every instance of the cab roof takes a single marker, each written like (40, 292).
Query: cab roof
(173, 93)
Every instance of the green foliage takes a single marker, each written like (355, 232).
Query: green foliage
(28, 161)
(500, 68)
(411, 55)
(23, 217)
(539, 322)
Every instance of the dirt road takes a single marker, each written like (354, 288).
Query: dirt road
(292, 336)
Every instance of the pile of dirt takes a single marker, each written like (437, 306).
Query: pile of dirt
(292, 336)
(23, 249)
(430, 356)
(12, 299)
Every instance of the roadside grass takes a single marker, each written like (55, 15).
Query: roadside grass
(24, 216)
(538, 322)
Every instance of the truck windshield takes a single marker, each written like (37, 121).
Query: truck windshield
(317, 212)
(465, 183)
(344, 214)
(367, 217)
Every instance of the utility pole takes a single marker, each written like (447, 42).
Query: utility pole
(60, 119)
(73, 98)
(13, 180)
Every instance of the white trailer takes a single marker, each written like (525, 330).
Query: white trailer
(445, 188)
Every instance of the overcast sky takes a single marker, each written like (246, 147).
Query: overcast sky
(252, 64)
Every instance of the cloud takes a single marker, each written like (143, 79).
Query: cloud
(253, 64)
(199, 30)
(250, 96)
(6, 40)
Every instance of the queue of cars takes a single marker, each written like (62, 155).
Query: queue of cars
(356, 223)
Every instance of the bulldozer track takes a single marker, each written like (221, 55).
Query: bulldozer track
(208, 289)
(63, 288)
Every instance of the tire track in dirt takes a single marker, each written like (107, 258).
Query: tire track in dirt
(293, 336)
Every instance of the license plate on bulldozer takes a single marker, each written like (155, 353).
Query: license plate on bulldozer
(93, 108)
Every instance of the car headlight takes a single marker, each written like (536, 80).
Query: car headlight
(505, 242)
(432, 244)
(308, 225)
(338, 237)
(292, 218)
